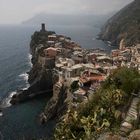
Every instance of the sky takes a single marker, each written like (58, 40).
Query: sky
(16, 11)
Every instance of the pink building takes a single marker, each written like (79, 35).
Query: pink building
(50, 52)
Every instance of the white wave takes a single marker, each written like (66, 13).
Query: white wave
(24, 76)
(1, 114)
(29, 58)
(6, 102)
(27, 86)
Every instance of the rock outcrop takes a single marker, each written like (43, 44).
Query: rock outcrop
(124, 25)
(41, 76)
(58, 104)
(43, 79)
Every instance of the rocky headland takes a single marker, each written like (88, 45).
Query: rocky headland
(43, 77)
(123, 25)
(90, 90)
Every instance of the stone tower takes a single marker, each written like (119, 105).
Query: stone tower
(43, 27)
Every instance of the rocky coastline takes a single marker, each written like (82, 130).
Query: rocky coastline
(124, 24)
(43, 79)
(72, 75)
(40, 78)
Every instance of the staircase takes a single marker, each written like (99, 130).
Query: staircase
(132, 115)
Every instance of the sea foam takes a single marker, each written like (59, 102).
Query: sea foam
(29, 59)
(24, 76)
(6, 102)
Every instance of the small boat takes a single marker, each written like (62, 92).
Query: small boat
(109, 45)
(109, 42)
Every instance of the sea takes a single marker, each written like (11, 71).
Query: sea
(21, 122)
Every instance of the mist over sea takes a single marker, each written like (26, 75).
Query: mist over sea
(21, 121)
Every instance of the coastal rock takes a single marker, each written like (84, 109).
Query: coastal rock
(59, 103)
(42, 118)
(42, 85)
(123, 25)
(41, 79)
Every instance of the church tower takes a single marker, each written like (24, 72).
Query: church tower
(122, 44)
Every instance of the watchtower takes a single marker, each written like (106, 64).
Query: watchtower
(43, 27)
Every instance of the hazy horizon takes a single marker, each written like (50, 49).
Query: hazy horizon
(17, 11)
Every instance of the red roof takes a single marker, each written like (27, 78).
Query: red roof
(98, 78)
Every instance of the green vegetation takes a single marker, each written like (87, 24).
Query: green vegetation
(125, 79)
(104, 110)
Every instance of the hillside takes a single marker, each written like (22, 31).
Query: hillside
(124, 25)
(54, 19)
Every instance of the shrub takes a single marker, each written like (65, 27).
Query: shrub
(103, 111)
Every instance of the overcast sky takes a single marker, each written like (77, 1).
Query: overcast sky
(16, 11)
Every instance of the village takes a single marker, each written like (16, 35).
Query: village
(85, 69)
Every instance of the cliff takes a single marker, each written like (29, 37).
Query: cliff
(123, 25)
(58, 104)
(41, 76)
(43, 79)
